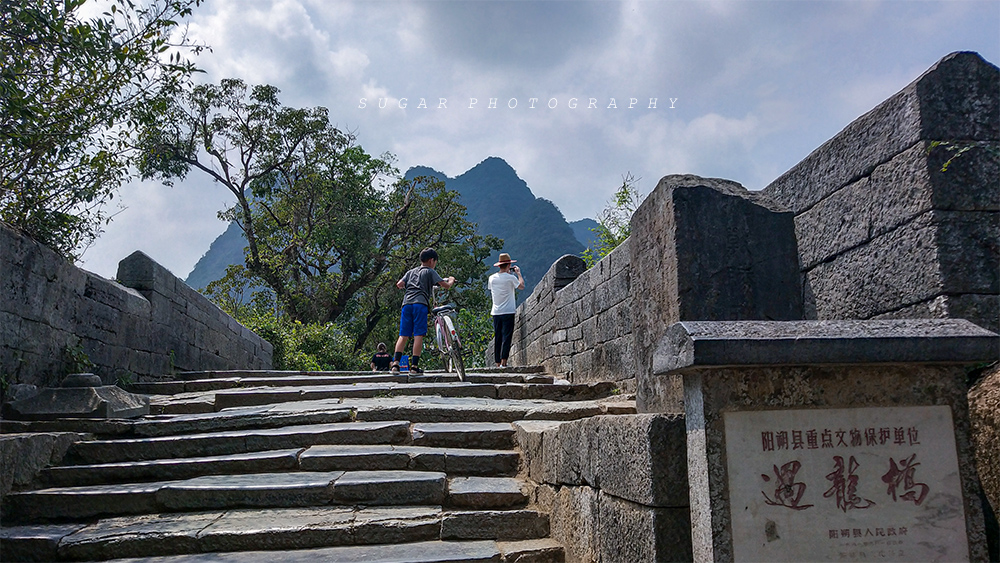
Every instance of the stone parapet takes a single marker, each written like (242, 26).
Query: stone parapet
(615, 486)
(55, 316)
(892, 224)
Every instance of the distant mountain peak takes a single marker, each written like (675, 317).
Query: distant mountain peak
(497, 200)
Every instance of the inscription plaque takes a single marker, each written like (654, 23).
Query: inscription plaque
(865, 484)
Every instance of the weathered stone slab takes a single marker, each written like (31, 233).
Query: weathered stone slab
(643, 459)
(486, 492)
(170, 469)
(423, 552)
(278, 528)
(812, 484)
(34, 543)
(231, 442)
(749, 343)
(81, 502)
(464, 435)
(351, 457)
(486, 463)
(260, 489)
(633, 532)
(396, 524)
(390, 487)
(134, 536)
(496, 524)
(531, 551)
(52, 403)
(235, 419)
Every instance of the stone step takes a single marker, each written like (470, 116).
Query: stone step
(235, 535)
(264, 379)
(356, 375)
(304, 488)
(486, 493)
(517, 391)
(490, 435)
(453, 461)
(237, 441)
(307, 535)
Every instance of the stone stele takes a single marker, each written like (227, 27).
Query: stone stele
(829, 440)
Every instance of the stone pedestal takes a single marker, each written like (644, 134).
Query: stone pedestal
(81, 396)
(829, 440)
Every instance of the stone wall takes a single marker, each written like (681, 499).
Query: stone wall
(700, 249)
(149, 324)
(615, 486)
(578, 321)
(882, 231)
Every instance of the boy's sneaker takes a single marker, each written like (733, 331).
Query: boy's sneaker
(394, 368)
(414, 370)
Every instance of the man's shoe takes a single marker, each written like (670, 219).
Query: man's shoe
(416, 371)
(394, 368)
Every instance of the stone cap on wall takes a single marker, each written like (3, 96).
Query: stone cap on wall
(716, 344)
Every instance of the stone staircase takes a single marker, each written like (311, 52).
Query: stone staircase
(284, 466)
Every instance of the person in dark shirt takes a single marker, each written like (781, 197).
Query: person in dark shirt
(381, 359)
(418, 283)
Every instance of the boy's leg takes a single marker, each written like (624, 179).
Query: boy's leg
(405, 331)
(419, 331)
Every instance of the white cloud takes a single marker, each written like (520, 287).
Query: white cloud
(759, 85)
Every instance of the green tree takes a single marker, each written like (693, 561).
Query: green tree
(327, 225)
(72, 92)
(614, 222)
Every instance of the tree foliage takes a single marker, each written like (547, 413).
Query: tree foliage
(614, 222)
(72, 93)
(329, 228)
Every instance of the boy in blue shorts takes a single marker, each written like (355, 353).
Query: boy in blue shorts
(418, 284)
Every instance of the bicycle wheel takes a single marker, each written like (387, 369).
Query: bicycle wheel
(454, 347)
(443, 343)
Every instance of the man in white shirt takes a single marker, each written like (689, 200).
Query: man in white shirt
(502, 285)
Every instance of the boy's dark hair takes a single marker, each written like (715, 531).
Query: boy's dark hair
(428, 254)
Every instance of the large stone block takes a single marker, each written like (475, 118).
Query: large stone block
(907, 266)
(957, 98)
(643, 459)
(968, 245)
(632, 532)
(894, 193)
(574, 522)
(142, 273)
(529, 435)
(707, 249)
(24, 456)
(982, 309)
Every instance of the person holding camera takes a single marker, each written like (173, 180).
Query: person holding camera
(502, 287)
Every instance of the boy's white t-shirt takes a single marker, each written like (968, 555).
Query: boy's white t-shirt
(502, 286)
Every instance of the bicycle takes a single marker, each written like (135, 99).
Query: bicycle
(449, 345)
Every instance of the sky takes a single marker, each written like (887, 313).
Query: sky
(741, 90)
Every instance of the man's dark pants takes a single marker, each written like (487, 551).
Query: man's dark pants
(503, 333)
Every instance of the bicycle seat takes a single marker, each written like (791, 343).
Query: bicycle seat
(443, 308)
